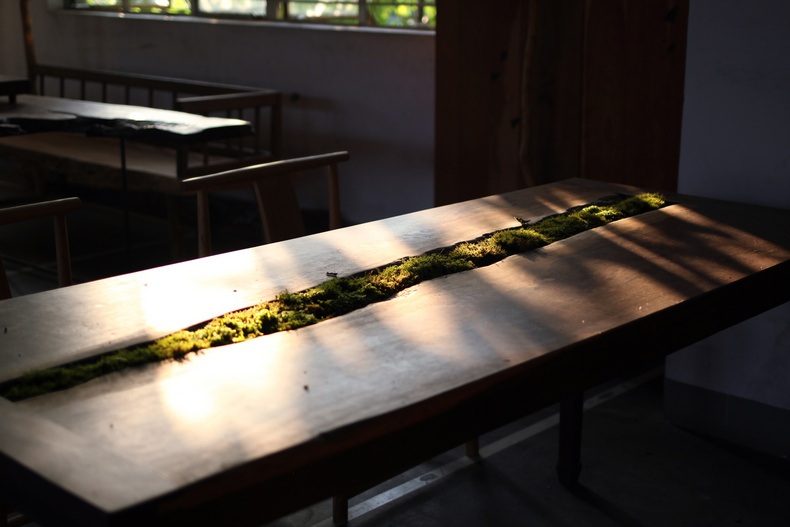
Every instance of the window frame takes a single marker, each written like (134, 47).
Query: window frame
(276, 12)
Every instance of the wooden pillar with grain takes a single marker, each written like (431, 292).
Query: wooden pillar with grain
(478, 115)
(537, 91)
(634, 74)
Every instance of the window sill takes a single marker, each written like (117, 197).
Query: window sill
(303, 26)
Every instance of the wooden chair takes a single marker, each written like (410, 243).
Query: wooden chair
(274, 193)
(55, 208)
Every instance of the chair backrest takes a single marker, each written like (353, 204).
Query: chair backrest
(274, 193)
(55, 208)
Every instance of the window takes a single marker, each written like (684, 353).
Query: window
(417, 14)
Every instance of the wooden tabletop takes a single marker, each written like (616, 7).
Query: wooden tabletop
(13, 86)
(250, 431)
(35, 113)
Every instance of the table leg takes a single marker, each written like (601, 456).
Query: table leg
(473, 448)
(339, 509)
(569, 464)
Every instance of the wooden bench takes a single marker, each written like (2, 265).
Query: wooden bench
(90, 161)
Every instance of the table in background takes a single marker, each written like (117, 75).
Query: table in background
(34, 114)
(248, 432)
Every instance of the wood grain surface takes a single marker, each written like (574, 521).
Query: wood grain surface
(87, 319)
(286, 419)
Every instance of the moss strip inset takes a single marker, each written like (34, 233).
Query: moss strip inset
(337, 296)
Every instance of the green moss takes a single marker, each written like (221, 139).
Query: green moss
(337, 296)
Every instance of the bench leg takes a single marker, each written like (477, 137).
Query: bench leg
(569, 465)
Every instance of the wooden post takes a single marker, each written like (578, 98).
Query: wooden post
(634, 74)
(538, 91)
(478, 98)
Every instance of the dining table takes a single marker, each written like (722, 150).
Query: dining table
(160, 130)
(247, 432)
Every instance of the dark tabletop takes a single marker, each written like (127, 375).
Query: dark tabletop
(33, 113)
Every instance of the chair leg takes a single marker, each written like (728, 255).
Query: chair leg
(62, 251)
(178, 252)
(204, 224)
(334, 198)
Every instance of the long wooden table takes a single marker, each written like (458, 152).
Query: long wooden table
(248, 432)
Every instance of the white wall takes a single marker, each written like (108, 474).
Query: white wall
(736, 146)
(369, 92)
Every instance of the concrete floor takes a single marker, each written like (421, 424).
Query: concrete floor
(639, 470)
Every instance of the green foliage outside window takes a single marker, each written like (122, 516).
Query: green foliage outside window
(378, 13)
(403, 15)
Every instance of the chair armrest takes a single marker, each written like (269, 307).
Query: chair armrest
(38, 210)
(275, 168)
